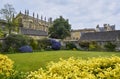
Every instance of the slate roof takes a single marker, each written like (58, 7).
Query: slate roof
(101, 36)
(33, 32)
(80, 30)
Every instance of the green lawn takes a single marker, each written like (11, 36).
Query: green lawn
(33, 61)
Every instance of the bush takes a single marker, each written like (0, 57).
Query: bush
(84, 45)
(43, 44)
(25, 49)
(13, 42)
(93, 46)
(94, 68)
(55, 44)
(70, 45)
(110, 46)
(34, 44)
(6, 66)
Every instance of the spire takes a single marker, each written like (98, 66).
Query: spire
(37, 16)
(97, 26)
(45, 18)
(50, 20)
(41, 17)
(27, 12)
(33, 14)
(20, 12)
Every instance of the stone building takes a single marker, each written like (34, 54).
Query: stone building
(76, 34)
(106, 27)
(33, 26)
(102, 37)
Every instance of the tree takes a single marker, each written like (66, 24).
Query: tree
(8, 13)
(60, 28)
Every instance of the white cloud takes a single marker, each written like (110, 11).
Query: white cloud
(81, 13)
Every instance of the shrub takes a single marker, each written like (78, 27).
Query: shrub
(94, 68)
(110, 46)
(43, 44)
(6, 66)
(34, 44)
(25, 49)
(7, 70)
(13, 42)
(55, 44)
(70, 45)
(84, 45)
(94, 46)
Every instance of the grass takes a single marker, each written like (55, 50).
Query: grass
(33, 61)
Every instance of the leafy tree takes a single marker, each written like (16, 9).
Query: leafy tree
(60, 28)
(8, 13)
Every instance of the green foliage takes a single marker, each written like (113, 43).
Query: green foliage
(32, 61)
(94, 46)
(60, 28)
(93, 68)
(84, 45)
(17, 75)
(110, 46)
(70, 45)
(34, 44)
(43, 44)
(13, 42)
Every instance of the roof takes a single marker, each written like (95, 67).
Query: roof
(33, 32)
(79, 30)
(101, 36)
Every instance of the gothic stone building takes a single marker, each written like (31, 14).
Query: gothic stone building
(33, 27)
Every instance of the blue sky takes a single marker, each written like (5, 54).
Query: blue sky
(81, 13)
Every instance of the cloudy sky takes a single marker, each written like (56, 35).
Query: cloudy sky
(81, 13)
